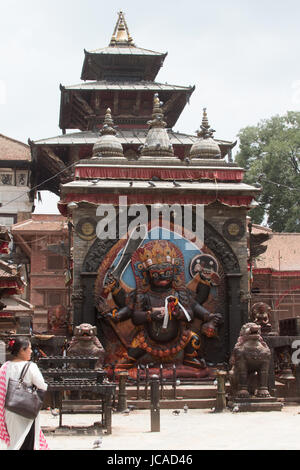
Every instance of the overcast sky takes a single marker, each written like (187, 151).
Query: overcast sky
(242, 56)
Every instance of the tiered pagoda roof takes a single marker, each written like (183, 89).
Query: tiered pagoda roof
(120, 77)
(122, 59)
(158, 176)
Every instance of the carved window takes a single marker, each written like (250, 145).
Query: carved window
(6, 178)
(21, 178)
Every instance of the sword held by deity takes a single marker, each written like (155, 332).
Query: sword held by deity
(135, 240)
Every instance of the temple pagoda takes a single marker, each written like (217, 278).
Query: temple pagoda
(127, 160)
(121, 77)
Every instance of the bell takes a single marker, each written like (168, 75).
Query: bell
(286, 374)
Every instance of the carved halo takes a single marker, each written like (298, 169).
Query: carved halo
(233, 229)
(86, 228)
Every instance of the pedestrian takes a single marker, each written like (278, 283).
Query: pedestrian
(17, 432)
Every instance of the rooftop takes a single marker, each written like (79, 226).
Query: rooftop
(283, 252)
(130, 50)
(103, 185)
(127, 136)
(121, 52)
(128, 85)
(41, 223)
(11, 149)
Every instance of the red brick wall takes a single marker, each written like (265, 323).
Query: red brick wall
(45, 281)
(282, 293)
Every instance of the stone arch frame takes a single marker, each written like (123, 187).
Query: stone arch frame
(217, 243)
(237, 311)
(235, 314)
(212, 239)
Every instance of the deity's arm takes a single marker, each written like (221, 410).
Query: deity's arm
(200, 312)
(119, 315)
(118, 293)
(143, 311)
(215, 318)
(140, 313)
(123, 314)
(120, 296)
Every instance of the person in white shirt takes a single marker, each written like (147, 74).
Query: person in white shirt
(17, 432)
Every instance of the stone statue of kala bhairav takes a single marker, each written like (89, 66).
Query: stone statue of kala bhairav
(162, 307)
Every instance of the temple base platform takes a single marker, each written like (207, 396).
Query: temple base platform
(255, 404)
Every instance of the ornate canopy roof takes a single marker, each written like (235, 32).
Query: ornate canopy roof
(121, 59)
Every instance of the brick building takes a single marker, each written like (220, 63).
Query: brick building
(43, 240)
(276, 274)
(16, 202)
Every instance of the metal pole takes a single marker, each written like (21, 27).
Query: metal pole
(161, 381)
(60, 407)
(122, 398)
(146, 382)
(174, 382)
(154, 406)
(221, 394)
(138, 382)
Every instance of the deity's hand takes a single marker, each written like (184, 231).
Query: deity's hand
(113, 316)
(157, 313)
(178, 314)
(217, 318)
(215, 279)
(111, 284)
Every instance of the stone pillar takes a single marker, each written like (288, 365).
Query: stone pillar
(122, 398)
(77, 301)
(235, 310)
(221, 394)
(154, 406)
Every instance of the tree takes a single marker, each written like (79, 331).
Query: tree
(270, 152)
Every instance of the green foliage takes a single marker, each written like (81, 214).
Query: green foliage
(270, 152)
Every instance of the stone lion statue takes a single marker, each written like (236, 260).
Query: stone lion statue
(86, 344)
(250, 362)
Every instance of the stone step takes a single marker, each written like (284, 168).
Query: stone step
(182, 392)
(203, 403)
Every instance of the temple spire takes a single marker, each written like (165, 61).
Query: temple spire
(157, 143)
(121, 35)
(206, 131)
(108, 145)
(205, 147)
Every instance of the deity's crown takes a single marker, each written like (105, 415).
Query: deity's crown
(157, 252)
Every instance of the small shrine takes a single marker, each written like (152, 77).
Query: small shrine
(160, 242)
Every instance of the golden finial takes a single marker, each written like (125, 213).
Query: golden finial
(206, 131)
(121, 34)
(108, 124)
(157, 113)
(205, 119)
